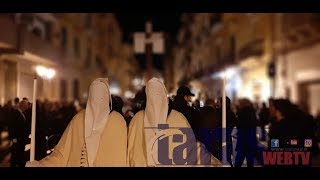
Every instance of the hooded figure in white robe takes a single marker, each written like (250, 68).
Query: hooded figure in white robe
(148, 146)
(94, 137)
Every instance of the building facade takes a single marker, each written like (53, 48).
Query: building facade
(249, 47)
(79, 47)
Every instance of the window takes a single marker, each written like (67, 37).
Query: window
(232, 47)
(88, 59)
(187, 35)
(76, 87)
(38, 28)
(215, 19)
(98, 62)
(64, 37)
(63, 89)
(76, 47)
(218, 53)
(36, 31)
(110, 50)
(48, 28)
(88, 20)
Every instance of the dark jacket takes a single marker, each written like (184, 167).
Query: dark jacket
(246, 130)
(191, 114)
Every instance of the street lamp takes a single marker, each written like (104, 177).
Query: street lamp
(45, 73)
(225, 74)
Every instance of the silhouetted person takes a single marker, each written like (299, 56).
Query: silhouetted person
(196, 104)
(210, 102)
(16, 102)
(246, 135)
(139, 101)
(117, 104)
(209, 130)
(291, 124)
(181, 104)
(271, 110)
(18, 134)
(263, 120)
(317, 122)
(231, 121)
(2, 117)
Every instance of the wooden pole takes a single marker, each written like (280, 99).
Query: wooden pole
(149, 65)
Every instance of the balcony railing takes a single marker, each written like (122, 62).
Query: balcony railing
(306, 34)
(40, 47)
(227, 60)
(15, 39)
(253, 48)
(9, 33)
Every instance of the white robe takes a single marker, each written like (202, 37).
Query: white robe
(94, 137)
(137, 148)
(112, 149)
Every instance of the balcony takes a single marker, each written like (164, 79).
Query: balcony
(35, 45)
(227, 60)
(253, 48)
(299, 36)
(16, 40)
(8, 35)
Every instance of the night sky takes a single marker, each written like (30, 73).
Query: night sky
(168, 23)
(133, 22)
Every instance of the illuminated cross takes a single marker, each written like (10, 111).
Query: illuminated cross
(148, 42)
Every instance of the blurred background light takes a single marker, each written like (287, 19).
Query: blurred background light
(45, 73)
(129, 94)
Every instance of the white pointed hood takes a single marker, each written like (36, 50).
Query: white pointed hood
(156, 112)
(96, 115)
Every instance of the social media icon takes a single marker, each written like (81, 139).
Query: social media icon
(307, 142)
(293, 142)
(274, 142)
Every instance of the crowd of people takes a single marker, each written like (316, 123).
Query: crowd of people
(280, 120)
(15, 117)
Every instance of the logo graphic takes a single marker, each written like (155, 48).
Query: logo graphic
(286, 158)
(171, 146)
(307, 142)
(274, 142)
(293, 142)
(177, 146)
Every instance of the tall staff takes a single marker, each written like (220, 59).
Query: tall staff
(33, 121)
(224, 118)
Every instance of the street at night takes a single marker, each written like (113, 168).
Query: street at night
(159, 89)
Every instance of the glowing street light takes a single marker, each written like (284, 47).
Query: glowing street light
(45, 73)
(226, 74)
(51, 73)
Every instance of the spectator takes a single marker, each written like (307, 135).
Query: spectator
(246, 146)
(117, 104)
(181, 104)
(17, 127)
(263, 120)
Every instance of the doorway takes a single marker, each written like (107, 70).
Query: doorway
(309, 95)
